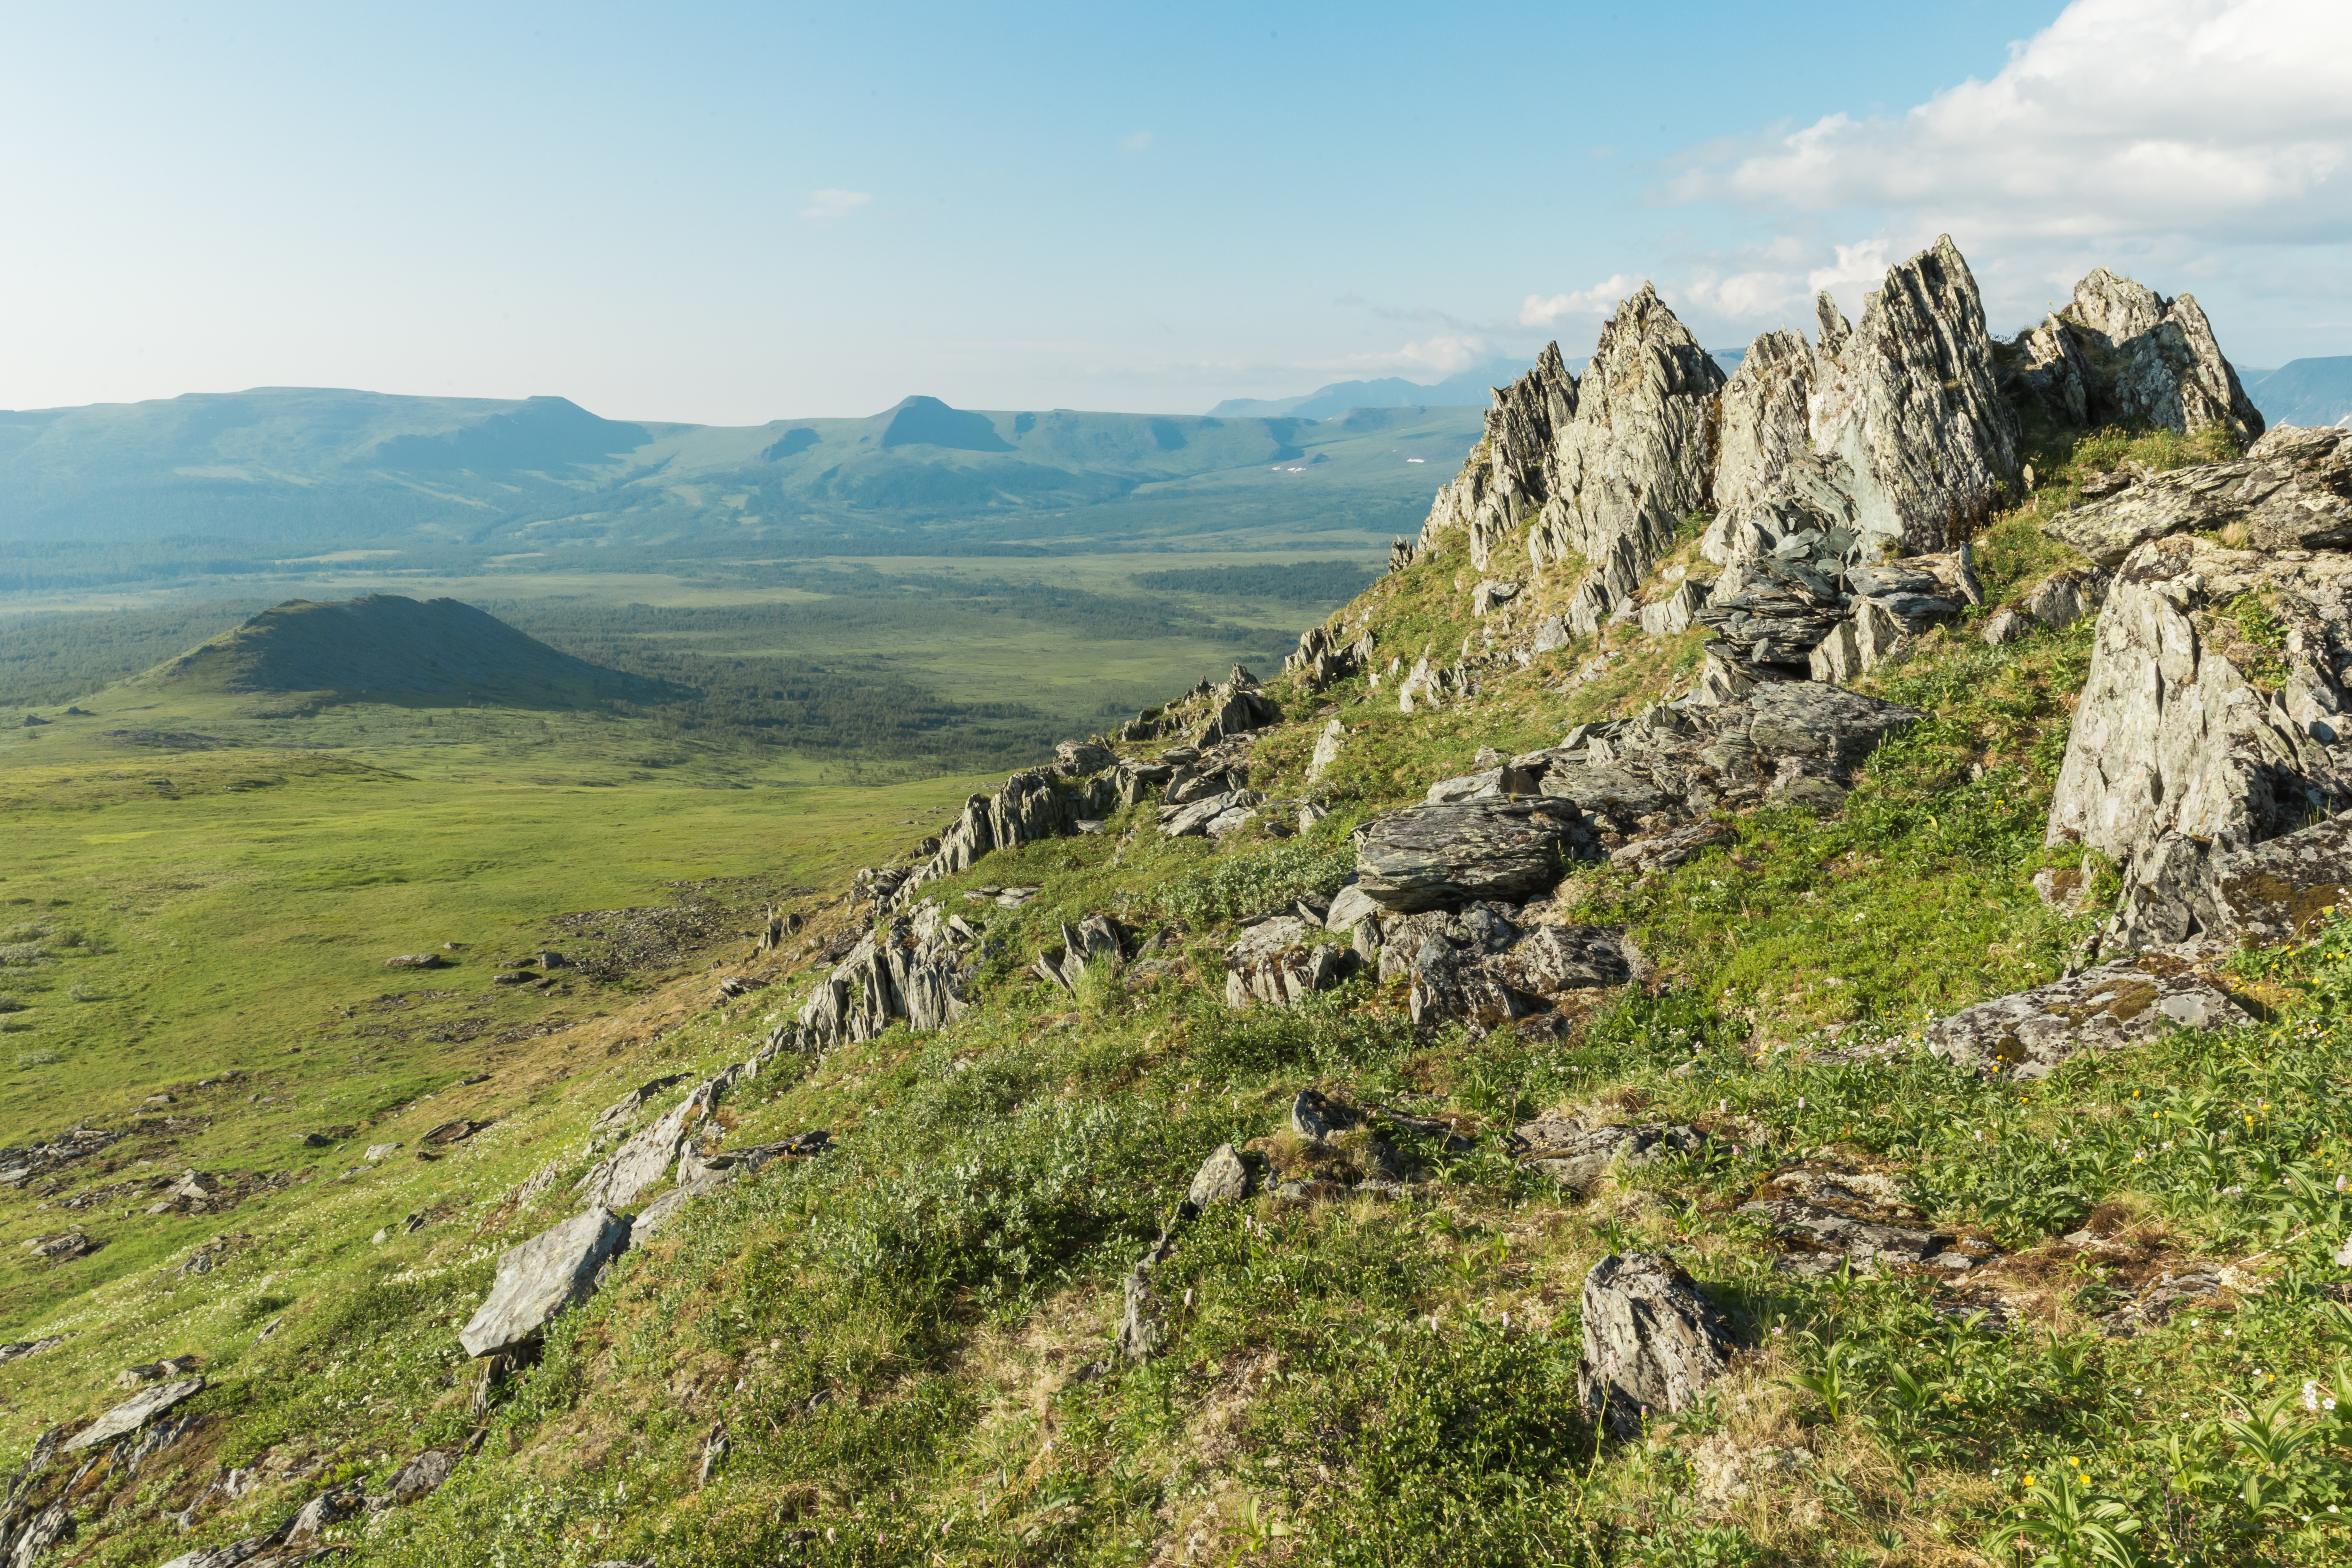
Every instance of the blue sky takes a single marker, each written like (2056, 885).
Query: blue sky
(732, 213)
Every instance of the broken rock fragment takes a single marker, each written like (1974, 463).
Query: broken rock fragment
(1652, 1341)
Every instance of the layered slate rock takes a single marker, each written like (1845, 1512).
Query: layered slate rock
(132, 1414)
(1646, 777)
(1276, 962)
(915, 967)
(1909, 401)
(2212, 720)
(1765, 425)
(1426, 857)
(1577, 1156)
(1508, 474)
(2146, 359)
(554, 1270)
(1653, 1342)
(1638, 455)
(2293, 490)
(1831, 1218)
(2123, 1003)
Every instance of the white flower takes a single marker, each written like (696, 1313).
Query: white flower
(2311, 1397)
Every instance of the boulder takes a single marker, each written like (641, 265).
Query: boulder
(1653, 1340)
(423, 1475)
(1236, 708)
(1577, 1157)
(554, 1270)
(1276, 962)
(132, 1414)
(2292, 490)
(1224, 1178)
(1187, 821)
(2123, 1003)
(1082, 759)
(414, 961)
(1429, 856)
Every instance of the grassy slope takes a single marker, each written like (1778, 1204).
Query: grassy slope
(892, 1334)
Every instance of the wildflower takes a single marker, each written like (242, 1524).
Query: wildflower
(2311, 1397)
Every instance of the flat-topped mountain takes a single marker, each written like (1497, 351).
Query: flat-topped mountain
(387, 646)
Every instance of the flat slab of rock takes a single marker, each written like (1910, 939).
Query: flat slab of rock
(132, 1414)
(2026, 1034)
(1428, 857)
(1318, 1117)
(2293, 490)
(1653, 1340)
(1577, 1156)
(554, 1270)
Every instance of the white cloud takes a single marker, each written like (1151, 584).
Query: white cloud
(826, 206)
(1545, 311)
(1137, 143)
(2226, 119)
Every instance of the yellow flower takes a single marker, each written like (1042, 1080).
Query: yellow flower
(2029, 1480)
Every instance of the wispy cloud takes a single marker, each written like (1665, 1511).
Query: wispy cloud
(2175, 136)
(1545, 311)
(1135, 143)
(825, 206)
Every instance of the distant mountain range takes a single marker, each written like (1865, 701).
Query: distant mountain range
(262, 481)
(2304, 391)
(1471, 389)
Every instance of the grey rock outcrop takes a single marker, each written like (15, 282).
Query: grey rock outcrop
(554, 1270)
(2292, 490)
(1765, 422)
(1509, 474)
(914, 968)
(2212, 720)
(1428, 855)
(423, 1475)
(1033, 805)
(1324, 658)
(2153, 360)
(1093, 939)
(2119, 1003)
(1909, 400)
(1327, 746)
(1277, 962)
(1637, 455)
(1831, 1218)
(132, 1414)
(2055, 372)
(1653, 1342)
(1577, 1156)
(1236, 708)
(1643, 778)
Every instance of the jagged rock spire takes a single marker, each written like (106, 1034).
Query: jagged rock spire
(2121, 350)
(1506, 477)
